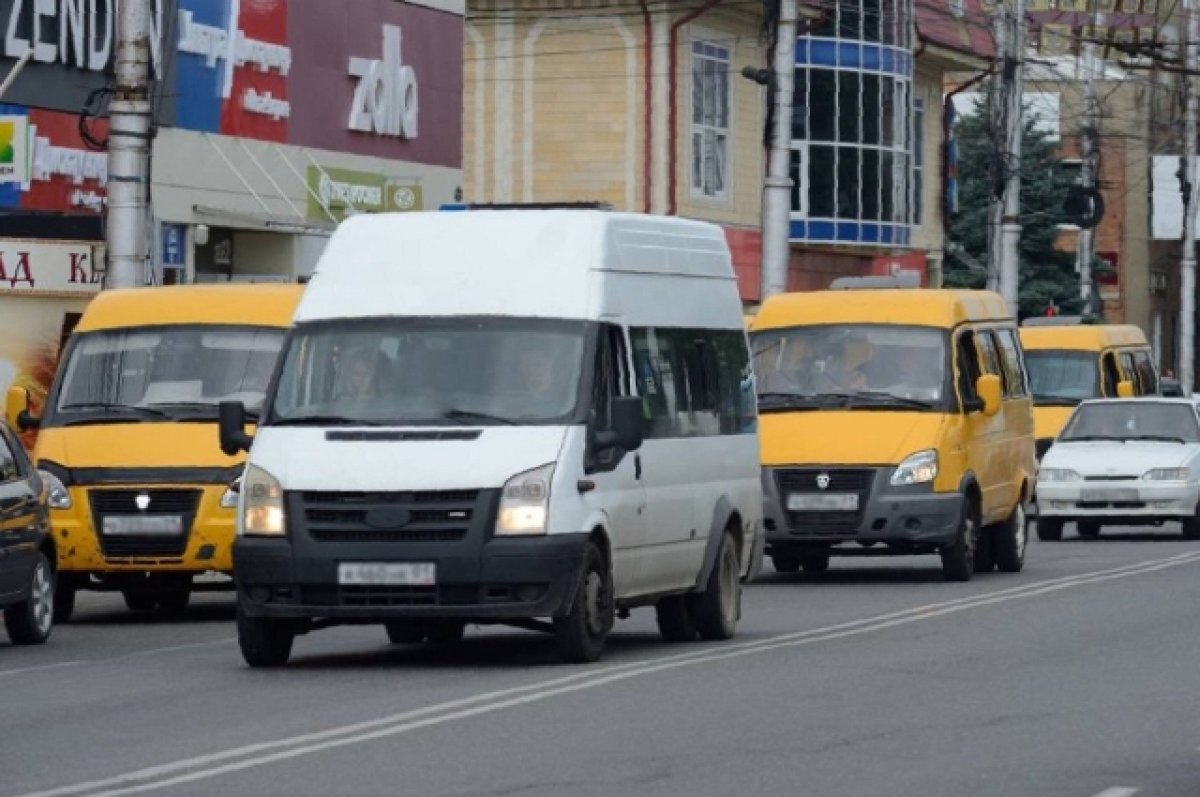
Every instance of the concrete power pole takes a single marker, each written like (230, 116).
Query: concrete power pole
(1010, 227)
(1085, 250)
(129, 149)
(777, 193)
(998, 107)
(1187, 266)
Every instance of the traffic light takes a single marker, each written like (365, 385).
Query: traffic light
(1051, 311)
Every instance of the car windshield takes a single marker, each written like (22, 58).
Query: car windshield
(1062, 377)
(1134, 420)
(463, 370)
(166, 373)
(871, 363)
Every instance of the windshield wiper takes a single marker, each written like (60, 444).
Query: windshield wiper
(891, 398)
(466, 416)
(105, 405)
(322, 420)
(1091, 438)
(768, 402)
(1051, 399)
(1159, 438)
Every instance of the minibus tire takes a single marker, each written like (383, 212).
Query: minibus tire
(1010, 540)
(580, 634)
(1089, 530)
(815, 562)
(717, 608)
(139, 599)
(64, 598)
(31, 621)
(264, 642)
(405, 632)
(958, 558)
(675, 620)
(786, 564)
(1049, 529)
(446, 632)
(985, 550)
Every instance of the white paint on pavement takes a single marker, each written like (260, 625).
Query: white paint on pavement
(1118, 791)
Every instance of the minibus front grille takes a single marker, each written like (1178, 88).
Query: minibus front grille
(157, 503)
(427, 516)
(829, 481)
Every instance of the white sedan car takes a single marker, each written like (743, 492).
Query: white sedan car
(1122, 461)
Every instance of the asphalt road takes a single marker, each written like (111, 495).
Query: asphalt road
(1080, 676)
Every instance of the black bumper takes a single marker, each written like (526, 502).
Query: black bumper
(498, 579)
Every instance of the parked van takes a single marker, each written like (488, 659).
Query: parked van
(141, 501)
(1070, 362)
(536, 417)
(893, 422)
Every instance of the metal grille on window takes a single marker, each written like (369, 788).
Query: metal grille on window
(710, 119)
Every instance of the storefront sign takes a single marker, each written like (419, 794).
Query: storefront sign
(75, 33)
(61, 174)
(39, 267)
(385, 100)
(14, 149)
(345, 192)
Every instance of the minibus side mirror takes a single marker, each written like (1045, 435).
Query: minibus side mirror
(232, 426)
(16, 410)
(628, 425)
(1125, 389)
(990, 392)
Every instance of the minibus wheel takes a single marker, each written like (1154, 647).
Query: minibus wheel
(1010, 540)
(785, 564)
(815, 562)
(264, 642)
(64, 598)
(717, 608)
(581, 633)
(958, 558)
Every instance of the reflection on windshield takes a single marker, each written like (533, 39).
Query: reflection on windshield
(1134, 420)
(1062, 376)
(451, 371)
(167, 372)
(874, 362)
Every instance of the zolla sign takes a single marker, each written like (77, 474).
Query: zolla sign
(73, 33)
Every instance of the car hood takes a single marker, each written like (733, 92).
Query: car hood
(1110, 458)
(134, 445)
(380, 460)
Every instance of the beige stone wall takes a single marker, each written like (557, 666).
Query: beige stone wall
(927, 86)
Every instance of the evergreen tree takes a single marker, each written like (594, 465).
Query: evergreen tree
(1047, 275)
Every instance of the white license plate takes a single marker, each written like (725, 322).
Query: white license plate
(1111, 495)
(142, 525)
(417, 574)
(823, 502)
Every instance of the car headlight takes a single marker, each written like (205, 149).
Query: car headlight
(1167, 475)
(918, 468)
(57, 494)
(1058, 475)
(229, 498)
(524, 503)
(262, 512)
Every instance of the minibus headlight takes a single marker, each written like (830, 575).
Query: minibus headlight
(525, 502)
(918, 468)
(1167, 475)
(262, 512)
(1058, 475)
(229, 498)
(57, 494)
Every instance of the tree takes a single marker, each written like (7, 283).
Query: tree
(1047, 275)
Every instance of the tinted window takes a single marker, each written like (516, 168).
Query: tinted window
(694, 382)
(1012, 363)
(1062, 377)
(1147, 374)
(1112, 374)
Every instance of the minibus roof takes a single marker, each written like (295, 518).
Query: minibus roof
(899, 306)
(546, 263)
(269, 305)
(1085, 337)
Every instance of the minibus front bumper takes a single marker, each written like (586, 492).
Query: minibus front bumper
(484, 579)
(808, 508)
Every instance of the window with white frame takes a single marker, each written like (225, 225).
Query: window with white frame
(918, 160)
(710, 119)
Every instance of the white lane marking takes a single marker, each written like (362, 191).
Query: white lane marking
(171, 649)
(589, 679)
(1118, 791)
(41, 667)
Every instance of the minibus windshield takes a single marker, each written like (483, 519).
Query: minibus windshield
(456, 371)
(856, 365)
(1062, 377)
(168, 373)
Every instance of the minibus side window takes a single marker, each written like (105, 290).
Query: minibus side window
(1015, 382)
(1111, 375)
(968, 367)
(611, 379)
(1131, 373)
(1146, 372)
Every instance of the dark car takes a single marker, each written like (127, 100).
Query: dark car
(27, 558)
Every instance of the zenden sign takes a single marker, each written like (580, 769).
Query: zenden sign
(345, 192)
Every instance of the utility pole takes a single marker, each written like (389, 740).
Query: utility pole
(1085, 249)
(1187, 267)
(777, 192)
(129, 149)
(1010, 225)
